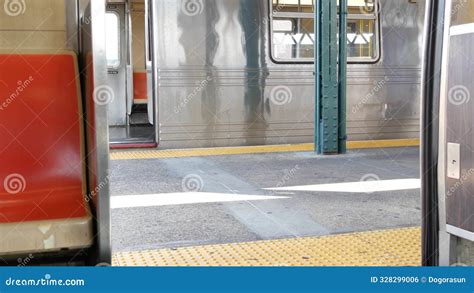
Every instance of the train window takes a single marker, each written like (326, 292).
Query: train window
(362, 31)
(292, 30)
(293, 6)
(112, 39)
(293, 38)
(361, 40)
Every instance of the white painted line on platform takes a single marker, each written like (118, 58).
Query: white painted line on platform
(182, 198)
(358, 187)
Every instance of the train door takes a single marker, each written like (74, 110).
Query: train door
(131, 106)
(449, 183)
(457, 137)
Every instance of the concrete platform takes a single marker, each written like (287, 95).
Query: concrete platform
(189, 201)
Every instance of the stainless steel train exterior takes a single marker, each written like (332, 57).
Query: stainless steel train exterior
(219, 82)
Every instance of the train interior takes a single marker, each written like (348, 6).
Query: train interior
(131, 111)
(84, 181)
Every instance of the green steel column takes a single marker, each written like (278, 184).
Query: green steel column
(343, 76)
(329, 96)
(330, 99)
(317, 76)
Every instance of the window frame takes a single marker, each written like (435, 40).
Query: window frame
(351, 60)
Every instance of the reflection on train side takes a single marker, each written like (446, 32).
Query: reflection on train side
(256, 60)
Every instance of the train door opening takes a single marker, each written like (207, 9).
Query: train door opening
(449, 225)
(130, 96)
(214, 205)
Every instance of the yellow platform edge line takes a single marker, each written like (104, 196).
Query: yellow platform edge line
(220, 151)
(393, 247)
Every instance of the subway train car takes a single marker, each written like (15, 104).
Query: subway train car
(212, 73)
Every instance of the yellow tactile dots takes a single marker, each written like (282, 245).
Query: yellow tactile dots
(163, 154)
(398, 247)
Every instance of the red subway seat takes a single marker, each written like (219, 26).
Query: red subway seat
(41, 156)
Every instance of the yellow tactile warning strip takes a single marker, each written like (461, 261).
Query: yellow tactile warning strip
(398, 247)
(373, 144)
(182, 153)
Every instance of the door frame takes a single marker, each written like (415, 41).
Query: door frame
(151, 31)
(128, 68)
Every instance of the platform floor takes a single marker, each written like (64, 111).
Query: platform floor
(397, 247)
(194, 201)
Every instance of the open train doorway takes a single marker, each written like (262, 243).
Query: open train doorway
(236, 181)
(131, 113)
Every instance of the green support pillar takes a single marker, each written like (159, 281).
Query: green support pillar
(343, 76)
(330, 116)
